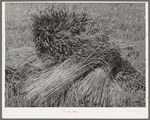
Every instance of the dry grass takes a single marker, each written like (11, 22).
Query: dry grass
(89, 92)
(51, 83)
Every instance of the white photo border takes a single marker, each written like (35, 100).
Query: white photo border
(64, 112)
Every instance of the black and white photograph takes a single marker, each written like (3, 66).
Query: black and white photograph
(74, 56)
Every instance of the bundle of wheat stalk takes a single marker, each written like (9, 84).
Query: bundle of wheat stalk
(24, 61)
(20, 56)
(51, 83)
(80, 83)
(90, 91)
(83, 63)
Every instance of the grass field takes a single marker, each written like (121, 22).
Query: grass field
(126, 25)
